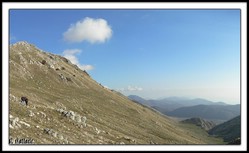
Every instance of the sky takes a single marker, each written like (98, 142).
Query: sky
(150, 53)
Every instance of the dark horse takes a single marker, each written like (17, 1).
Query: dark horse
(25, 99)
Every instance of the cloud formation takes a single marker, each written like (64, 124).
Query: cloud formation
(131, 88)
(70, 54)
(106, 87)
(89, 29)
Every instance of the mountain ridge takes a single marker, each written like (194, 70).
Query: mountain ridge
(176, 102)
(210, 112)
(187, 108)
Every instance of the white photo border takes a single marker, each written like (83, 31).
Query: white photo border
(6, 6)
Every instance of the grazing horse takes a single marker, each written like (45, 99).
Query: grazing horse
(24, 100)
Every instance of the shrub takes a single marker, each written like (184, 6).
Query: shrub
(43, 62)
(64, 59)
(51, 57)
(68, 79)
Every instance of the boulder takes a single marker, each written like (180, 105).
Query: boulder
(14, 122)
(62, 77)
(24, 123)
(78, 118)
(68, 79)
(83, 119)
(31, 113)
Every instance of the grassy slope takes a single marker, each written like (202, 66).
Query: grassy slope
(114, 115)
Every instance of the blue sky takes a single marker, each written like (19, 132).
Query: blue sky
(150, 53)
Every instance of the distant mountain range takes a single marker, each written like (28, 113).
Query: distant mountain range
(211, 112)
(188, 108)
(172, 103)
(230, 131)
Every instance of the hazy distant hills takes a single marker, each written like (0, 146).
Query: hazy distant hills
(172, 103)
(188, 108)
(212, 112)
(229, 131)
(139, 99)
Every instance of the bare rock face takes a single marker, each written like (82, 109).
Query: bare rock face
(50, 132)
(15, 120)
(15, 123)
(43, 115)
(56, 135)
(13, 98)
(122, 143)
(24, 123)
(97, 130)
(83, 119)
(22, 43)
(31, 113)
(80, 120)
(60, 110)
(62, 77)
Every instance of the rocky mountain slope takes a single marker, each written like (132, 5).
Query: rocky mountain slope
(66, 106)
(206, 125)
(230, 131)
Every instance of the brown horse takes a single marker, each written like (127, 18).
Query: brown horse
(25, 99)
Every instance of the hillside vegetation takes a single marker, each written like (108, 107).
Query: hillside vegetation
(66, 106)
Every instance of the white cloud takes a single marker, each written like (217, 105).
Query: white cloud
(131, 88)
(121, 89)
(70, 54)
(89, 29)
(86, 67)
(72, 51)
(106, 87)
